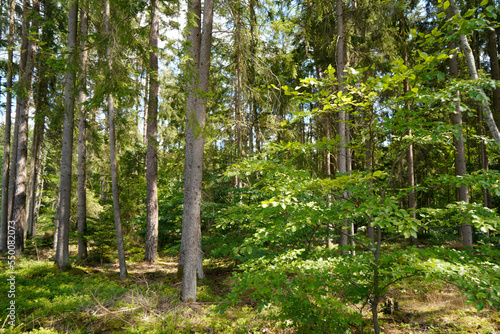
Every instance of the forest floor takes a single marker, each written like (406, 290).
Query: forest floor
(92, 299)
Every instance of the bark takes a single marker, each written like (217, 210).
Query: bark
(412, 201)
(471, 66)
(114, 167)
(13, 160)
(342, 159)
(456, 119)
(484, 162)
(6, 152)
(82, 138)
(62, 250)
(23, 104)
(36, 156)
(146, 102)
(495, 71)
(191, 253)
(460, 162)
(151, 249)
(251, 78)
(369, 169)
(237, 95)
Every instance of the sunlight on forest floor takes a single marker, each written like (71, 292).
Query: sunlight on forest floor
(91, 299)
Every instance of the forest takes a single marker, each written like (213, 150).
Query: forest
(253, 166)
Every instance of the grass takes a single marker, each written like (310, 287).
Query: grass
(92, 299)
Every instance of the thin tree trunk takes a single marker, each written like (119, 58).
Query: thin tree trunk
(460, 161)
(191, 253)
(495, 73)
(36, 157)
(62, 250)
(342, 159)
(23, 104)
(369, 169)
(254, 125)
(114, 167)
(82, 137)
(456, 119)
(237, 92)
(146, 102)
(151, 251)
(6, 152)
(412, 200)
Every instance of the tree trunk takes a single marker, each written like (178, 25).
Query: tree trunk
(495, 71)
(114, 167)
(62, 250)
(36, 155)
(460, 162)
(191, 253)
(456, 119)
(146, 102)
(412, 200)
(82, 138)
(6, 152)
(342, 159)
(369, 169)
(254, 124)
(151, 251)
(23, 104)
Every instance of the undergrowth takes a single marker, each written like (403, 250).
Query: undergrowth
(93, 300)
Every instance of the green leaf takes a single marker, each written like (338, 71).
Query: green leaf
(446, 5)
(484, 3)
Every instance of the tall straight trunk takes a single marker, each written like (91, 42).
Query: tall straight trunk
(82, 137)
(23, 104)
(237, 92)
(251, 77)
(36, 155)
(22, 65)
(460, 161)
(351, 226)
(6, 152)
(146, 102)
(114, 166)
(471, 66)
(342, 159)
(495, 71)
(484, 162)
(151, 249)
(191, 253)
(412, 200)
(369, 169)
(62, 250)
(456, 119)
